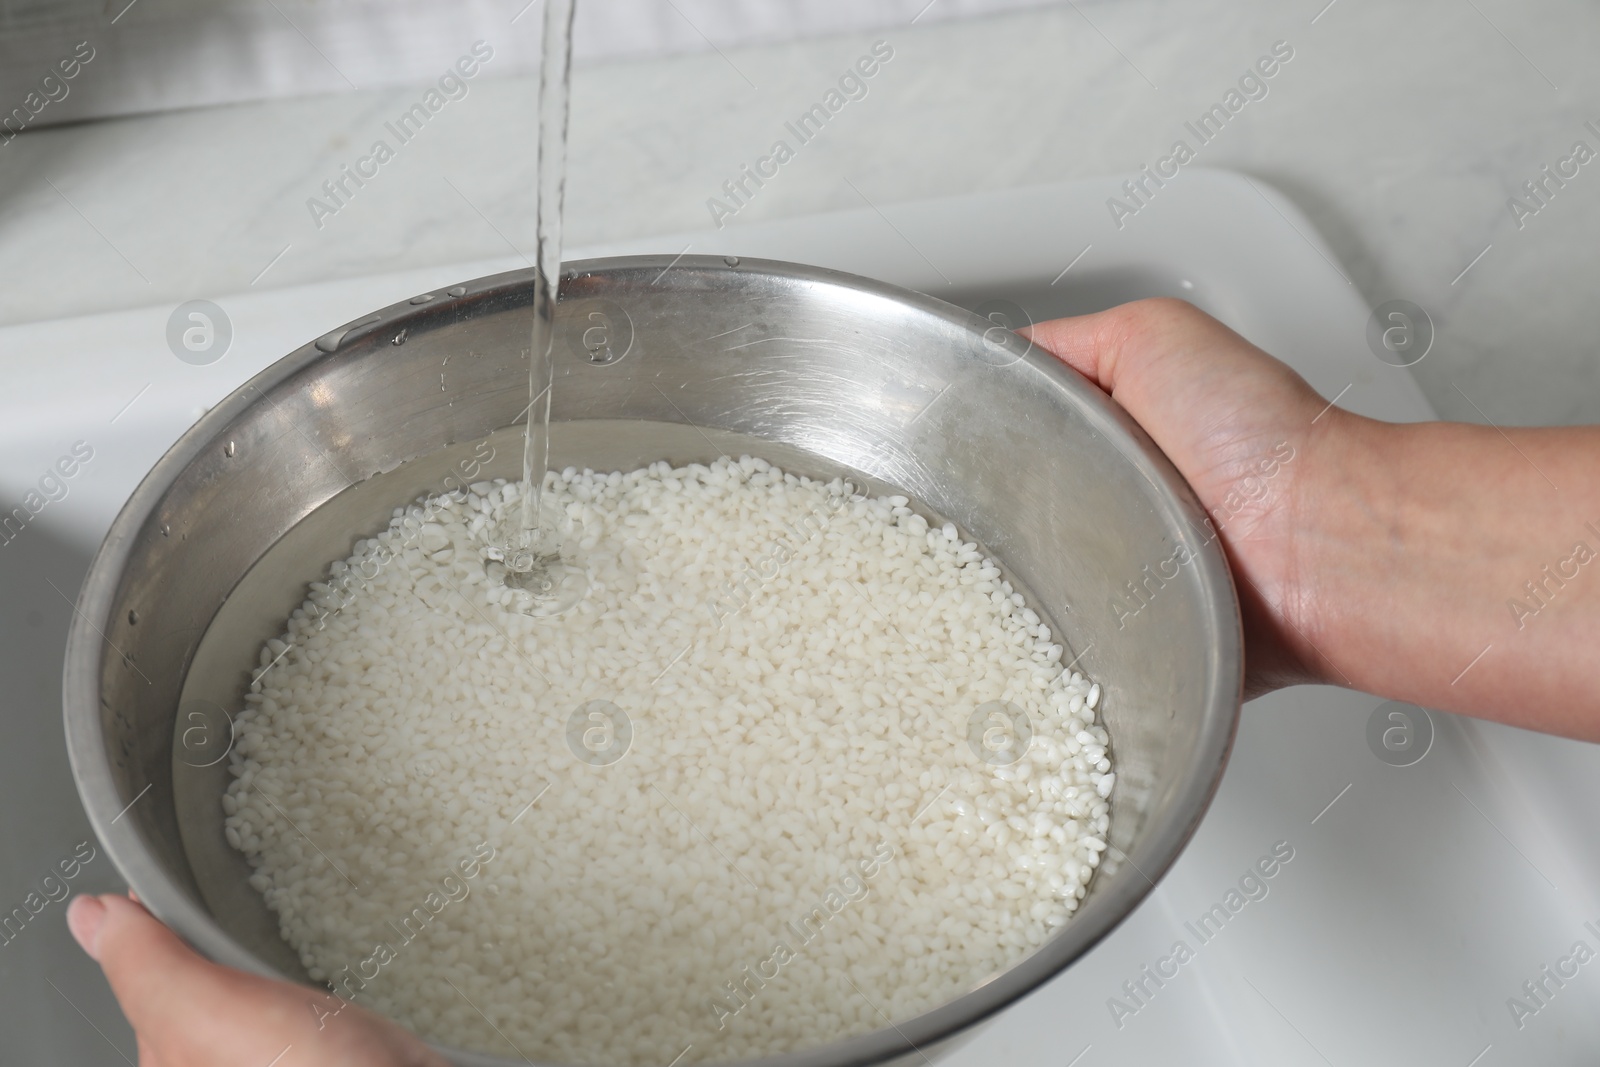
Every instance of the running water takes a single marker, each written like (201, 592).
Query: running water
(536, 556)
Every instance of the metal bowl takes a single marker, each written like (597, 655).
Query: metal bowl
(685, 359)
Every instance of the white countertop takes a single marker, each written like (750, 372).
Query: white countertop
(1400, 130)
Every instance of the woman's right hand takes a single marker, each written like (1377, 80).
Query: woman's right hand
(1383, 557)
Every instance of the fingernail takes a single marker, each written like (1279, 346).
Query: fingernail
(84, 916)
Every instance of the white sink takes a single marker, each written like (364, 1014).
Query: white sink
(1417, 901)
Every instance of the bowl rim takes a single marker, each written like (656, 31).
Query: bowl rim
(1158, 845)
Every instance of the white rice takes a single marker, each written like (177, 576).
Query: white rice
(798, 843)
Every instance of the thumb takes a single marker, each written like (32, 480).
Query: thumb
(188, 1010)
(1207, 397)
(149, 967)
(1159, 357)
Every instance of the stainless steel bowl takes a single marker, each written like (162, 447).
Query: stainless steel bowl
(683, 360)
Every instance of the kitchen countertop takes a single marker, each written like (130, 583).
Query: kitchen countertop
(1401, 130)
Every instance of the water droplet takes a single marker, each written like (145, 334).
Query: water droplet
(399, 338)
(133, 617)
(229, 449)
(166, 530)
(422, 298)
(331, 340)
(732, 261)
(456, 290)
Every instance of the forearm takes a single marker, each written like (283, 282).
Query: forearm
(1454, 566)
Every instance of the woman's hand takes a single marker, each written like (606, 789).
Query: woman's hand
(1243, 429)
(189, 1012)
(1445, 564)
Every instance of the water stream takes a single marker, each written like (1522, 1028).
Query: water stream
(535, 550)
